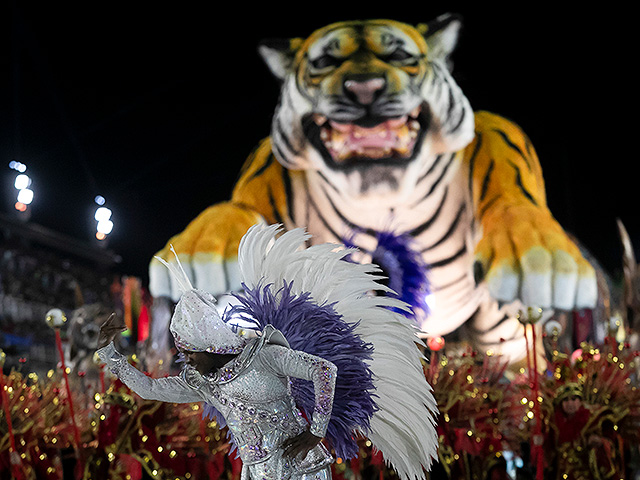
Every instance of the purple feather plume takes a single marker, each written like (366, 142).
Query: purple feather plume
(319, 330)
(405, 269)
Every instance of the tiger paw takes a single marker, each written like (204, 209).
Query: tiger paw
(207, 250)
(524, 254)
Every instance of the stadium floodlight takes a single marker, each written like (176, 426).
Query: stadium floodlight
(19, 167)
(105, 226)
(103, 217)
(102, 214)
(25, 196)
(22, 181)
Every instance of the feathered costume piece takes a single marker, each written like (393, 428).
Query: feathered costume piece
(401, 261)
(288, 285)
(310, 327)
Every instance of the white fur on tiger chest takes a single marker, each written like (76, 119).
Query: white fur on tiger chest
(436, 212)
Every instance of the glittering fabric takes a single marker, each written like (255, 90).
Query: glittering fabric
(197, 326)
(253, 394)
(281, 469)
(319, 330)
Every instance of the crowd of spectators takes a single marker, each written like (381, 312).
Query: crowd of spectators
(33, 280)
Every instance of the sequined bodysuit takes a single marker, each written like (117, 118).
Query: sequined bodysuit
(253, 394)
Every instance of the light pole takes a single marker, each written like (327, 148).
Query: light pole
(102, 216)
(22, 184)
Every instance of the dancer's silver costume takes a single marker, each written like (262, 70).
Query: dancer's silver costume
(253, 394)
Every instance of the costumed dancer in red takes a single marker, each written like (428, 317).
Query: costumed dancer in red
(584, 442)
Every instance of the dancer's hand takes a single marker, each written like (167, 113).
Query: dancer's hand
(301, 443)
(110, 330)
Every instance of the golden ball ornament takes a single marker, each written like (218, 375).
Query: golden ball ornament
(56, 318)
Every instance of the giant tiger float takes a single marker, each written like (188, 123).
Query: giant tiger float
(373, 144)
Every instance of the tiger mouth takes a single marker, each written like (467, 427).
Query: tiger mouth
(390, 141)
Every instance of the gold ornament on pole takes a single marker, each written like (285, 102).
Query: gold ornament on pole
(529, 322)
(56, 318)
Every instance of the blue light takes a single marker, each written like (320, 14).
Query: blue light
(20, 167)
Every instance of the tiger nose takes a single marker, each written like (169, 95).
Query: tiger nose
(365, 91)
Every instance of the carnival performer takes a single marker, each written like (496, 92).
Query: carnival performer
(260, 393)
(314, 352)
(584, 438)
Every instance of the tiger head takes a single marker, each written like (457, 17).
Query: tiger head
(368, 104)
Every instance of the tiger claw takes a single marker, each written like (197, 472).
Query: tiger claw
(565, 280)
(504, 282)
(536, 265)
(587, 287)
(542, 279)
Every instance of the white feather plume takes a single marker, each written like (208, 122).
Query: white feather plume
(403, 428)
(178, 273)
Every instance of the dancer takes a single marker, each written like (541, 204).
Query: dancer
(314, 326)
(247, 385)
(586, 443)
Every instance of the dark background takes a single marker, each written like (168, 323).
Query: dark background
(156, 108)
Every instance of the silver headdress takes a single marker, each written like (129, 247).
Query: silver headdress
(196, 325)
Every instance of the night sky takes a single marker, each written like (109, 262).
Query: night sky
(156, 108)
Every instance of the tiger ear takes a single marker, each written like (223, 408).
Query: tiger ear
(442, 36)
(279, 54)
